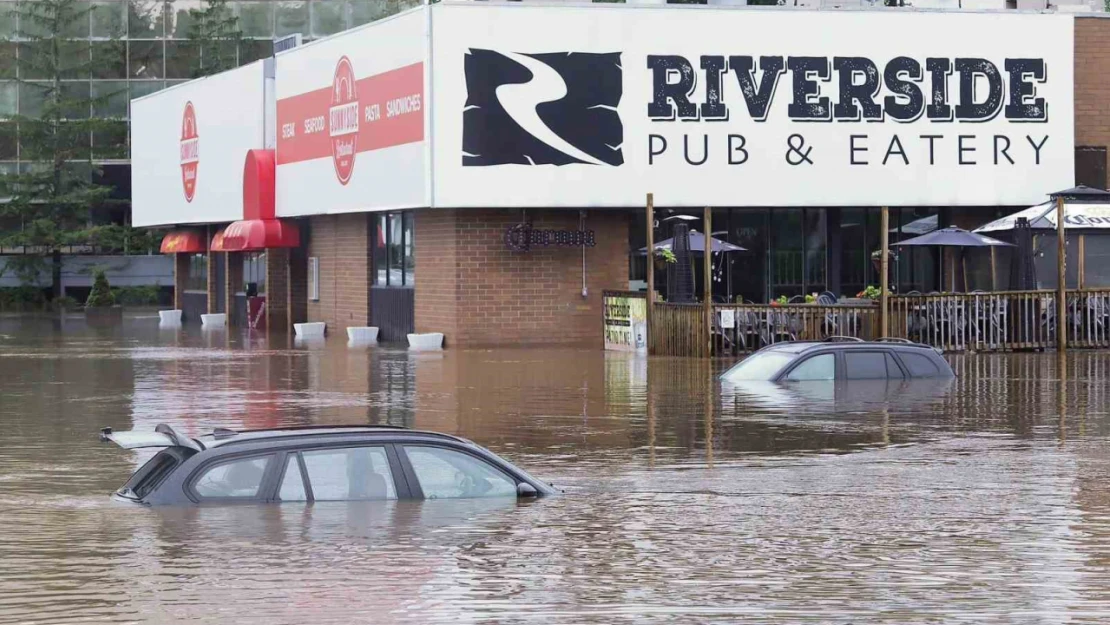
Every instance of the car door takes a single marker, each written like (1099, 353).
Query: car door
(814, 368)
(443, 472)
(355, 472)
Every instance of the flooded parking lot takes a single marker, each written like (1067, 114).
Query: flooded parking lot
(983, 500)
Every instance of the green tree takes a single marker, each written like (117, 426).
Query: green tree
(101, 293)
(48, 205)
(215, 32)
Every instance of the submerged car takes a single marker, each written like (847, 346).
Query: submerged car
(316, 463)
(840, 359)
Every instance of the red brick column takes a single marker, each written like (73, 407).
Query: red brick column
(180, 276)
(297, 304)
(233, 281)
(213, 284)
(277, 291)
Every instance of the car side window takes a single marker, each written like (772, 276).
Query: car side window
(919, 366)
(865, 365)
(819, 367)
(292, 484)
(240, 478)
(349, 474)
(448, 474)
(893, 371)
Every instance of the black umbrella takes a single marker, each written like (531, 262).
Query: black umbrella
(954, 237)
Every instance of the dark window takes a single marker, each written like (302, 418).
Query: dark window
(109, 59)
(892, 369)
(918, 365)
(352, 474)
(254, 273)
(394, 245)
(1090, 166)
(241, 478)
(197, 280)
(448, 474)
(865, 365)
(292, 483)
(146, 479)
(146, 59)
(820, 367)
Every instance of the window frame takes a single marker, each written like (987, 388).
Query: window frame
(265, 487)
(414, 481)
(396, 470)
(882, 353)
(408, 237)
(838, 367)
(910, 375)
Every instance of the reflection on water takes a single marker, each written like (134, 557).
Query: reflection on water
(983, 499)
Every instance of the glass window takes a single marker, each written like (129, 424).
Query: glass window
(9, 98)
(197, 280)
(918, 365)
(251, 50)
(892, 369)
(8, 149)
(328, 17)
(79, 26)
(314, 279)
(395, 250)
(291, 17)
(145, 19)
(75, 97)
(820, 367)
(109, 59)
(256, 19)
(32, 98)
(366, 11)
(107, 18)
(146, 479)
(787, 253)
(7, 59)
(73, 59)
(7, 19)
(762, 366)
(110, 99)
(182, 58)
(409, 258)
(380, 264)
(237, 478)
(357, 473)
(864, 365)
(146, 59)
(31, 68)
(448, 474)
(815, 249)
(292, 484)
(179, 22)
(139, 88)
(110, 141)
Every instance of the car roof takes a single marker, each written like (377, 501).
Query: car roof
(801, 347)
(222, 436)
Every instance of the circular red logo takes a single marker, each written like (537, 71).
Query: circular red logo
(190, 151)
(343, 120)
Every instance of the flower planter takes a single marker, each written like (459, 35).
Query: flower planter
(214, 320)
(310, 330)
(366, 334)
(169, 317)
(431, 340)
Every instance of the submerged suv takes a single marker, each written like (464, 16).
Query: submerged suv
(329, 463)
(841, 359)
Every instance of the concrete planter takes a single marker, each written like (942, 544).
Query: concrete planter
(104, 314)
(214, 320)
(169, 317)
(431, 340)
(367, 334)
(310, 330)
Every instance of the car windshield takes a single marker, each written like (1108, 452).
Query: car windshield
(761, 366)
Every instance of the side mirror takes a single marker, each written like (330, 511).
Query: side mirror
(524, 489)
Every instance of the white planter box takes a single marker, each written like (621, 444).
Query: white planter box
(431, 340)
(214, 320)
(367, 334)
(169, 317)
(310, 330)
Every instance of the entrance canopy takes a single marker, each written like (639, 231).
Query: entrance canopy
(184, 242)
(1043, 217)
(252, 235)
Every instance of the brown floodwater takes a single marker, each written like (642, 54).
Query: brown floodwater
(981, 500)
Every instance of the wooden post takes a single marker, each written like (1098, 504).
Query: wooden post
(1082, 261)
(707, 278)
(884, 268)
(994, 276)
(1061, 287)
(650, 268)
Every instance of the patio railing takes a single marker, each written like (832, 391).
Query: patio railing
(999, 321)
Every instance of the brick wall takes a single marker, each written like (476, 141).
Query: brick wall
(342, 243)
(1092, 89)
(478, 292)
(232, 285)
(180, 276)
(277, 291)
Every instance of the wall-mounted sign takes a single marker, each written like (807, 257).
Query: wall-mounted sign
(541, 106)
(523, 237)
(625, 321)
(287, 42)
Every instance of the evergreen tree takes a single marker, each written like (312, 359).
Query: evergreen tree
(216, 34)
(101, 294)
(49, 204)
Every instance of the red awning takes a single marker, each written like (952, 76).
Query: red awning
(260, 234)
(184, 242)
(217, 244)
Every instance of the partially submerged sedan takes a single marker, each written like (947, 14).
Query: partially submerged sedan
(840, 359)
(331, 463)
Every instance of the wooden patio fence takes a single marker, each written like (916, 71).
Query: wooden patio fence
(998, 321)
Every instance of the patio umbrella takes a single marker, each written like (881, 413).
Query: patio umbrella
(697, 244)
(954, 237)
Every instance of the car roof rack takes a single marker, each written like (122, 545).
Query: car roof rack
(222, 433)
(895, 339)
(845, 339)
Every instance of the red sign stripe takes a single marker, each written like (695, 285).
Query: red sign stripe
(391, 112)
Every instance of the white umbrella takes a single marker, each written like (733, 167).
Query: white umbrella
(1077, 215)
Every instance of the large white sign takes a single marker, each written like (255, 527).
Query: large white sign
(188, 146)
(596, 106)
(351, 120)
